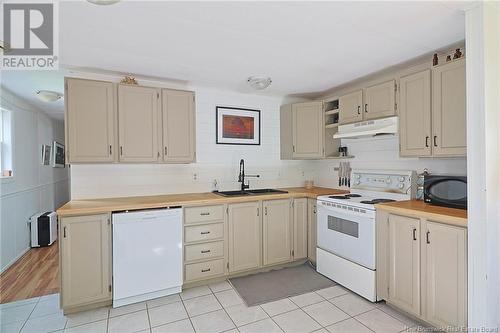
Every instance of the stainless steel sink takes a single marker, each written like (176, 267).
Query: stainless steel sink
(249, 192)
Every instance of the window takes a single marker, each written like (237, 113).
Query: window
(5, 144)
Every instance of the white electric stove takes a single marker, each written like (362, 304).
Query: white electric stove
(346, 227)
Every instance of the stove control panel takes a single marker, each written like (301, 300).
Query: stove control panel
(385, 181)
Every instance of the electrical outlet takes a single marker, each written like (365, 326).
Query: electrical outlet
(303, 173)
(195, 177)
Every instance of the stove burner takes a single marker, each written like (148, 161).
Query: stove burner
(353, 195)
(376, 201)
(342, 197)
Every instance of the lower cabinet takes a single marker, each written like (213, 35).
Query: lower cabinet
(245, 232)
(311, 230)
(276, 235)
(299, 250)
(85, 261)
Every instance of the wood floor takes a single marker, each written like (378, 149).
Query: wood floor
(35, 274)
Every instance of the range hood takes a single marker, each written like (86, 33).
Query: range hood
(384, 126)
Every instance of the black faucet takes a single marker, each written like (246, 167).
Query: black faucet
(241, 176)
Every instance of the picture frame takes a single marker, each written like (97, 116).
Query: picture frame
(58, 158)
(237, 126)
(46, 149)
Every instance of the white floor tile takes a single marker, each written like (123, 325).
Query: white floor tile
(398, 315)
(348, 326)
(168, 313)
(296, 321)
(228, 298)
(200, 305)
(97, 327)
(120, 311)
(163, 300)
(212, 322)
(220, 286)
(18, 313)
(278, 307)
(332, 292)
(131, 322)
(321, 330)
(325, 313)
(306, 299)
(380, 322)
(242, 314)
(19, 303)
(14, 327)
(85, 317)
(181, 326)
(47, 306)
(45, 324)
(50, 297)
(266, 325)
(352, 304)
(195, 292)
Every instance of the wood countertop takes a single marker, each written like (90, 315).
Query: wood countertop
(418, 208)
(106, 205)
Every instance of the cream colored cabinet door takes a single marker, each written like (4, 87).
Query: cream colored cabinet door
(138, 113)
(415, 114)
(300, 226)
(449, 109)
(404, 263)
(350, 107)
(90, 121)
(245, 236)
(308, 128)
(380, 100)
(85, 260)
(276, 231)
(311, 230)
(178, 126)
(444, 263)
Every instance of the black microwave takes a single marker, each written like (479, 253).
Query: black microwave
(449, 191)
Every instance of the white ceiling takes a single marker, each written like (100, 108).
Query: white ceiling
(304, 46)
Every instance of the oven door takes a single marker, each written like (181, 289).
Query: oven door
(347, 234)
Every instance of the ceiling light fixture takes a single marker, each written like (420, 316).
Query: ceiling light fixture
(103, 2)
(259, 82)
(48, 96)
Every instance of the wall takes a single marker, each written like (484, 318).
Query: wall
(34, 187)
(214, 162)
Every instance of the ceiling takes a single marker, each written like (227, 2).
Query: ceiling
(304, 46)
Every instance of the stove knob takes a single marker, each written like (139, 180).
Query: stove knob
(388, 180)
(358, 176)
(402, 179)
(357, 182)
(401, 185)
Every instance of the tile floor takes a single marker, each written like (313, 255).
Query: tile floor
(210, 309)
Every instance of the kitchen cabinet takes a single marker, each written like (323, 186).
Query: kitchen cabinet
(85, 261)
(415, 114)
(245, 236)
(178, 120)
(380, 100)
(445, 274)
(404, 263)
(276, 231)
(307, 130)
(138, 114)
(350, 107)
(311, 230)
(449, 109)
(300, 226)
(90, 121)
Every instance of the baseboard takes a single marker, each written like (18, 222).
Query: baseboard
(13, 261)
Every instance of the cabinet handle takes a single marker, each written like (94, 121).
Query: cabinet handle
(110, 150)
(359, 109)
(414, 234)
(205, 270)
(257, 211)
(427, 141)
(366, 107)
(435, 142)
(205, 214)
(205, 232)
(64, 232)
(121, 150)
(314, 209)
(265, 211)
(165, 150)
(427, 237)
(205, 251)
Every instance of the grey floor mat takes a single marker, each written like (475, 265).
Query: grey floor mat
(277, 284)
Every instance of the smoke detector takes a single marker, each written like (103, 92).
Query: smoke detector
(259, 82)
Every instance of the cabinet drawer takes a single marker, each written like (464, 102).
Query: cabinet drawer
(203, 232)
(204, 270)
(204, 251)
(203, 214)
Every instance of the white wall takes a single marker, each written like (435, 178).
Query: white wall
(34, 187)
(220, 162)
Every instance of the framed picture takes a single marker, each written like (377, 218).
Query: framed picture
(58, 156)
(46, 154)
(237, 126)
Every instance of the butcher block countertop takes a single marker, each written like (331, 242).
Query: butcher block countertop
(418, 208)
(106, 205)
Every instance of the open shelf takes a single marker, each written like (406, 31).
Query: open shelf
(337, 157)
(332, 125)
(332, 112)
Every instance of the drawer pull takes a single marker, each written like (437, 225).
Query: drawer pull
(205, 251)
(205, 270)
(205, 232)
(205, 214)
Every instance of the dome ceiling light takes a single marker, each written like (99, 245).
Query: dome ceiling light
(259, 82)
(103, 2)
(48, 96)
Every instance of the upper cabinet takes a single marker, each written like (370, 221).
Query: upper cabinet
(178, 126)
(138, 112)
(307, 130)
(106, 123)
(380, 100)
(350, 107)
(90, 121)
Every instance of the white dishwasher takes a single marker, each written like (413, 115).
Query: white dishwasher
(147, 255)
